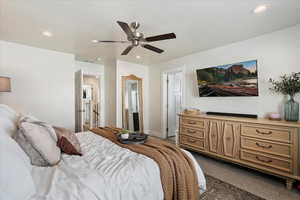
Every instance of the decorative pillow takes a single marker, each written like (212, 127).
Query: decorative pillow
(31, 119)
(66, 147)
(8, 118)
(16, 181)
(38, 140)
(70, 136)
(26, 118)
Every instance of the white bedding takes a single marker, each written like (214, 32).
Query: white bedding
(104, 172)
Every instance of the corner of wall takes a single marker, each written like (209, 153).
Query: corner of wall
(110, 73)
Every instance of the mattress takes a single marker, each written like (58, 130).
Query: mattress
(106, 171)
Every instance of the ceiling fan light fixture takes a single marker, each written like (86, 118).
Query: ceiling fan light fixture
(137, 39)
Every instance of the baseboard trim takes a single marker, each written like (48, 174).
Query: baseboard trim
(153, 133)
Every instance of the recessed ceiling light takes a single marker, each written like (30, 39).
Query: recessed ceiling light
(47, 34)
(138, 57)
(260, 9)
(94, 41)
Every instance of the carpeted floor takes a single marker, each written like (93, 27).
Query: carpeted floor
(220, 190)
(260, 184)
(255, 183)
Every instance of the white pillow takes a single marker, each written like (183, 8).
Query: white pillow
(38, 140)
(8, 120)
(31, 119)
(16, 182)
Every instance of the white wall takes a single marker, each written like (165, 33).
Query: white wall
(42, 82)
(110, 73)
(154, 101)
(89, 67)
(277, 53)
(141, 71)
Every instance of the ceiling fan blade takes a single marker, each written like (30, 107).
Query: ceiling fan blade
(161, 37)
(110, 41)
(152, 48)
(126, 29)
(126, 51)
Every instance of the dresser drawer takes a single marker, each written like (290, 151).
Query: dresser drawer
(193, 142)
(269, 133)
(194, 132)
(278, 149)
(267, 161)
(199, 123)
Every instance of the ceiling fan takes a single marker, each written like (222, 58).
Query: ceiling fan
(137, 38)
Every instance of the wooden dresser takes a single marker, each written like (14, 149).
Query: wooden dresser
(261, 144)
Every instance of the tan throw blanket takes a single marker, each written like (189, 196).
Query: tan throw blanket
(178, 175)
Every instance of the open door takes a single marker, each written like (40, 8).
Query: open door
(174, 98)
(91, 101)
(88, 100)
(78, 100)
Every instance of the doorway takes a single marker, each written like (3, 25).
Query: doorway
(88, 101)
(174, 103)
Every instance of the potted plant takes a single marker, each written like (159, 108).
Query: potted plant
(288, 85)
(124, 134)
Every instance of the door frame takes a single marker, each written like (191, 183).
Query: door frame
(164, 97)
(101, 94)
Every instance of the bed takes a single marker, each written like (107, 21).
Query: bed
(106, 171)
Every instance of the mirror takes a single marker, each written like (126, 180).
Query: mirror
(132, 101)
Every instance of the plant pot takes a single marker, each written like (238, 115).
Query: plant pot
(125, 136)
(291, 110)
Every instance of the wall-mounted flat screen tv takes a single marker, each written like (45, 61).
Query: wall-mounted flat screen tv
(239, 79)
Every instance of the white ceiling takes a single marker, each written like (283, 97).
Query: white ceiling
(198, 24)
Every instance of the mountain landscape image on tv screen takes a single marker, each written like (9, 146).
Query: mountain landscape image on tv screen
(238, 79)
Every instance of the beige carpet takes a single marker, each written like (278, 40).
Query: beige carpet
(262, 185)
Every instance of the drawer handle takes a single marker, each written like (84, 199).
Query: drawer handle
(262, 160)
(192, 141)
(191, 122)
(263, 146)
(264, 133)
(190, 131)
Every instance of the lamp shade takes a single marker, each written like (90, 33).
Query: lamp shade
(5, 84)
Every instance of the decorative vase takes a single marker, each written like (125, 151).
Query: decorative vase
(291, 110)
(125, 136)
